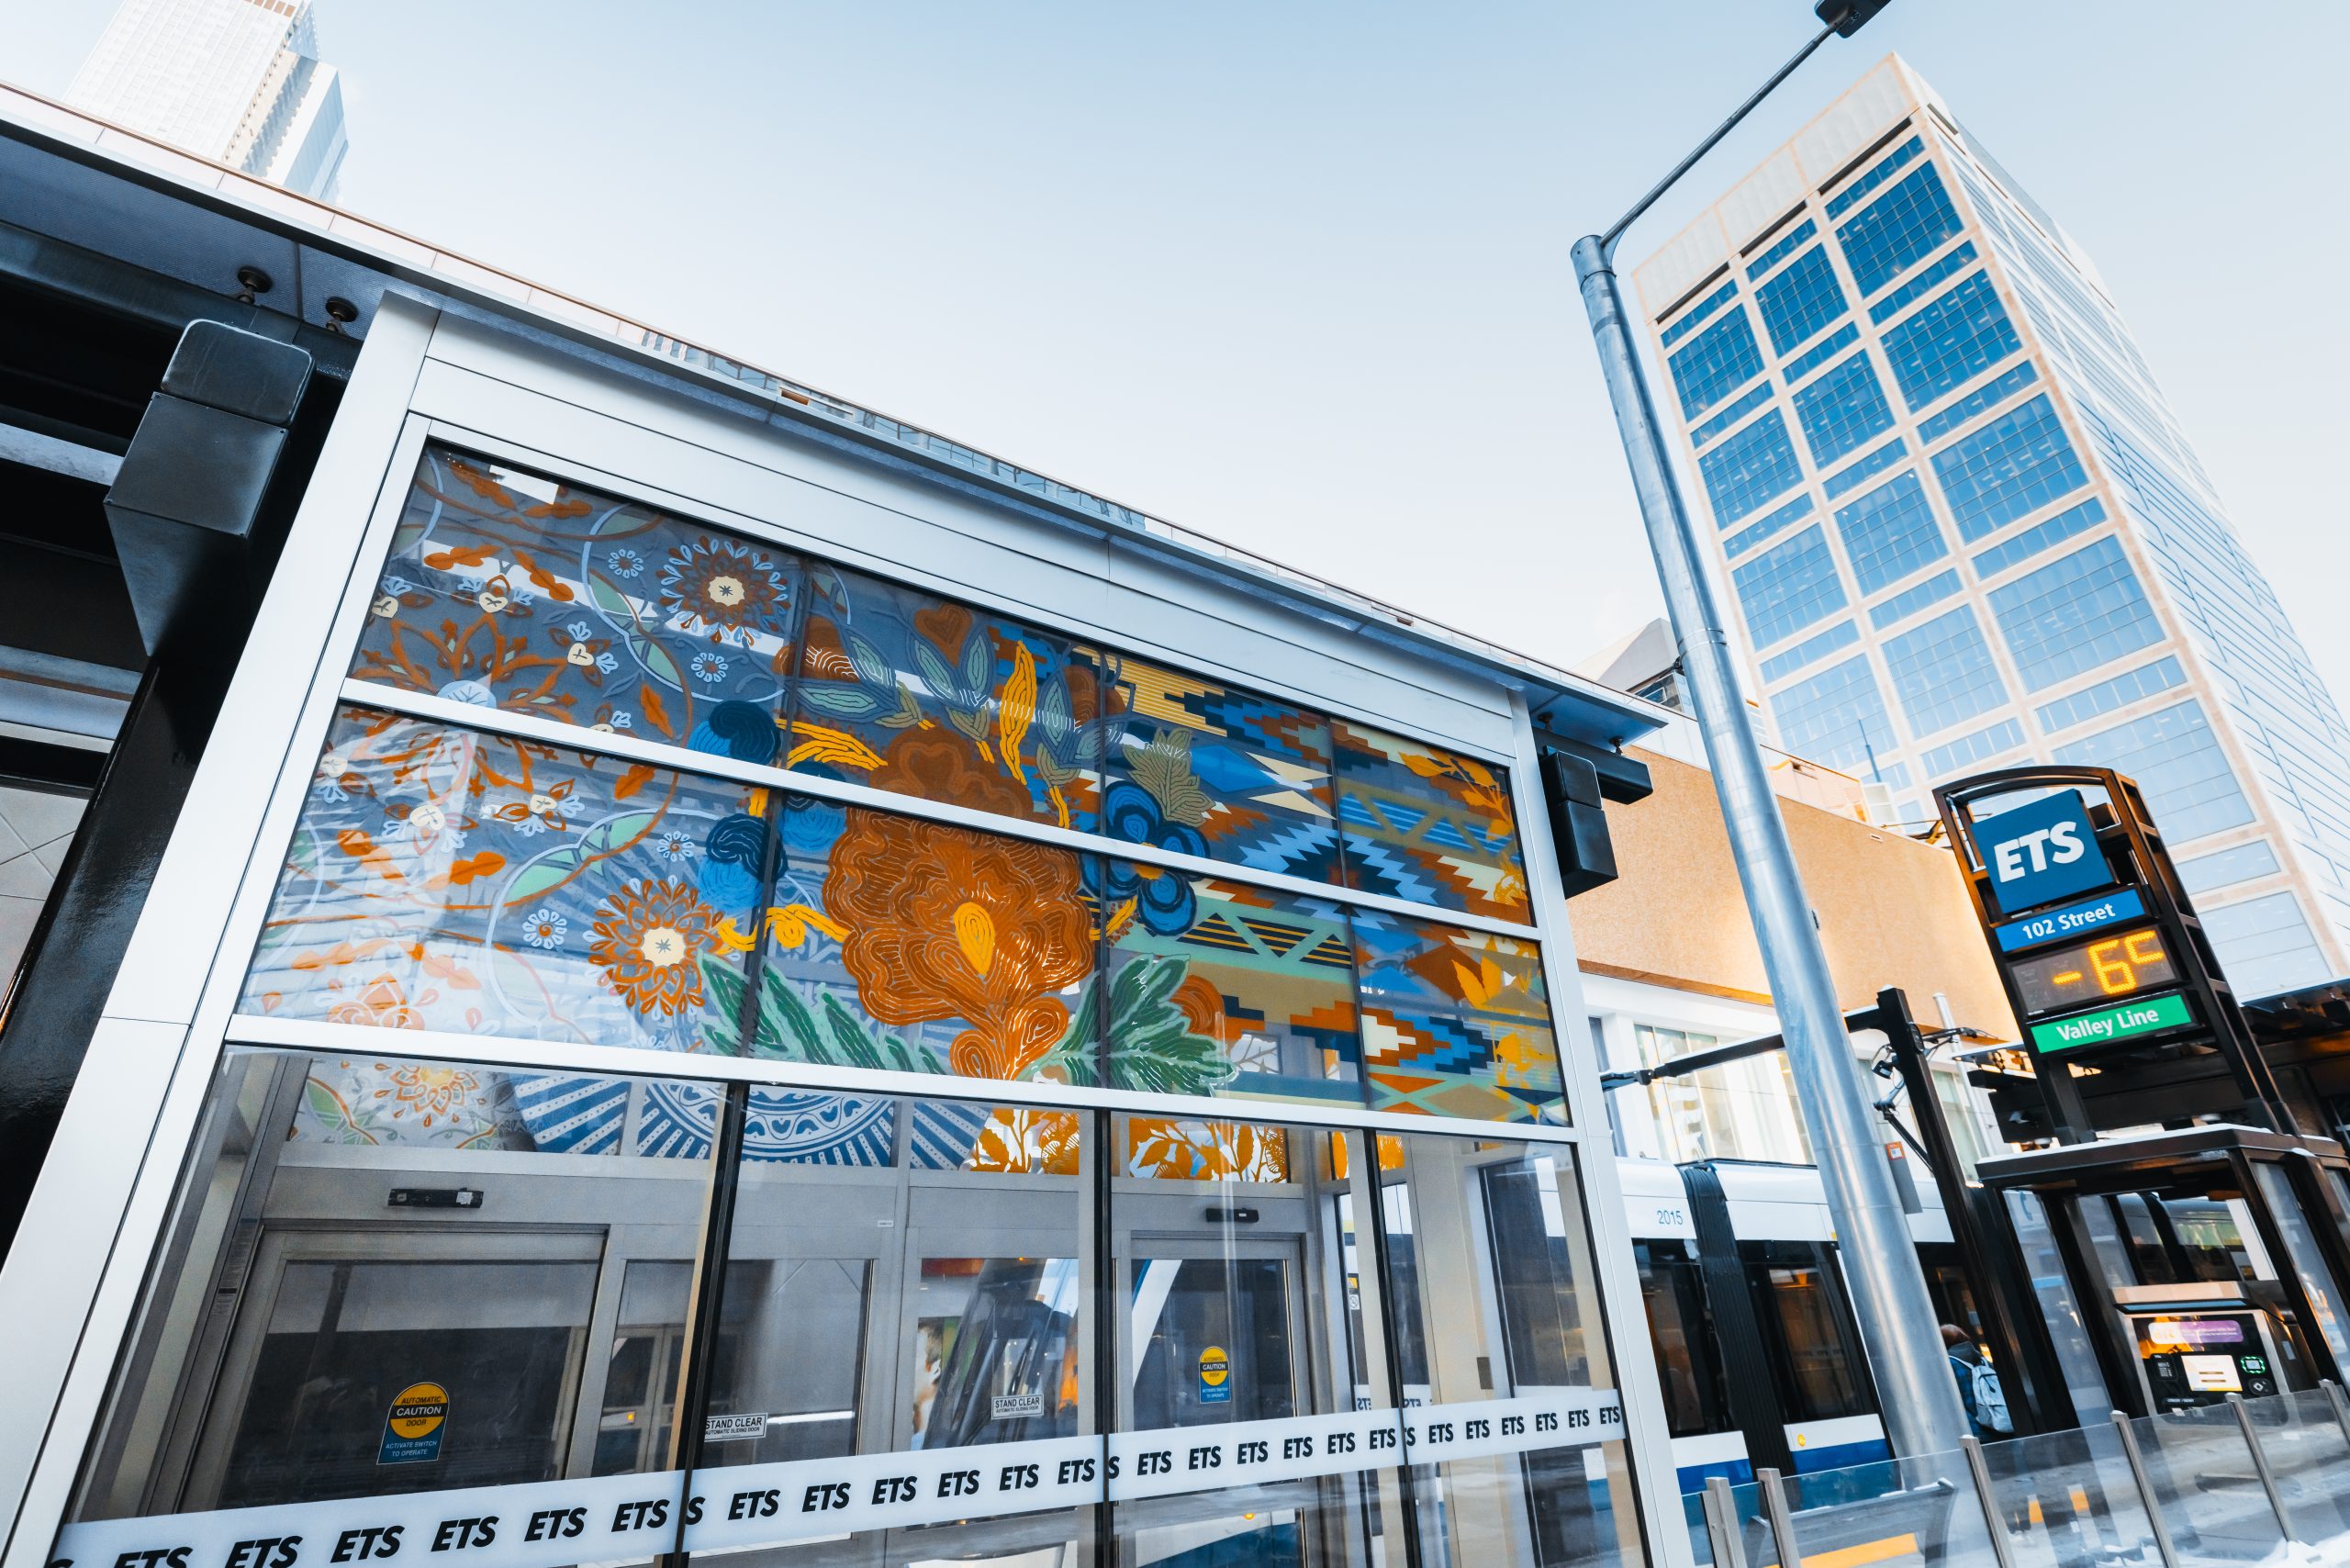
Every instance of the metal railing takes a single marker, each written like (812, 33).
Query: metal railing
(2238, 1483)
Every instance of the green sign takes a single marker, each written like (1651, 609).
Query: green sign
(2109, 1025)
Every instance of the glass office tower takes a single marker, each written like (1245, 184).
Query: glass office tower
(1962, 529)
(238, 81)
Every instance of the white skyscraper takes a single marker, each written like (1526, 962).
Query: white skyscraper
(235, 80)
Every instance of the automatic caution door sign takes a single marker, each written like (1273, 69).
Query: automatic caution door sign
(1216, 1376)
(415, 1425)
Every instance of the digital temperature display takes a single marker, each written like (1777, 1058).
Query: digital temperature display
(2099, 969)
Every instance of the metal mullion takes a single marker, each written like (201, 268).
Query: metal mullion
(687, 1427)
(577, 737)
(632, 1062)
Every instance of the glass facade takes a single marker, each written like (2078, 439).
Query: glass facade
(1926, 306)
(1789, 588)
(743, 1055)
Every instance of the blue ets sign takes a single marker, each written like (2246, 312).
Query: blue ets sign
(2042, 852)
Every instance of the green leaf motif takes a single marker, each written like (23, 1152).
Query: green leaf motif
(873, 667)
(1152, 1046)
(832, 697)
(1164, 769)
(937, 676)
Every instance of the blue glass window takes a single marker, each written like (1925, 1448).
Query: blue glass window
(1811, 650)
(1868, 467)
(1910, 600)
(1837, 717)
(1997, 391)
(1800, 300)
(1953, 264)
(1705, 306)
(1968, 750)
(1789, 588)
(1943, 672)
(2226, 868)
(2039, 536)
(2015, 465)
(2074, 614)
(1780, 248)
(2176, 761)
(1745, 405)
(1821, 352)
(2265, 945)
(1842, 409)
(1950, 340)
(1746, 538)
(1900, 158)
(1892, 235)
(2108, 695)
(1722, 357)
(1890, 532)
(1749, 468)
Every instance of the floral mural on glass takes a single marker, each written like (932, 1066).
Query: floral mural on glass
(476, 884)
(508, 590)
(925, 697)
(1200, 767)
(1180, 1149)
(898, 945)
(1427, 826)
(1236, 990)
(1454, 1022)
(394, 1103)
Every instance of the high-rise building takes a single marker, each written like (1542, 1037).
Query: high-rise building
(1963, 529)
(238, 81)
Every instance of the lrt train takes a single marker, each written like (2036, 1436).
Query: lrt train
(1757, 1348)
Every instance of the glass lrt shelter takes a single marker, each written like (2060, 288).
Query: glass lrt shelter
(736, 977)
(1963, 529)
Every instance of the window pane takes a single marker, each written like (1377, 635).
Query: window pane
(1950, 341)
(887, 1306)
(1427, 824)
(1716, 362)
(1219, 988)
(1890, 532)
(1943, 672)
(925, 697)
(1837, 716)
(1906, 224)
(1748, 469)
(1247, 1296)
(1800, 300)
(1789, 588)
(386, 1277)
(896, 943)
(1455, 1023)
(2073, 615)
(445, 880)
(1502, 1298)
(508, 590)
(1201, 767)
(1842, 410)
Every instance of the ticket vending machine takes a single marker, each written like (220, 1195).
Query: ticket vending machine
(2199, 1343)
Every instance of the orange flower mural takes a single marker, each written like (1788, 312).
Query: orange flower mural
(945, 923)
(649, 939)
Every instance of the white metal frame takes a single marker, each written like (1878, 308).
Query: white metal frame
(73, 1282)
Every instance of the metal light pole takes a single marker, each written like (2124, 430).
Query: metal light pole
(1922, 1411)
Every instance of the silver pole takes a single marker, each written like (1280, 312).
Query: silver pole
(2164, 1547)
(2260, 1464)
(2341, 1405)
(1722, 1524)
(1920, 1397)
(1782, 1524)
(2002, 1550)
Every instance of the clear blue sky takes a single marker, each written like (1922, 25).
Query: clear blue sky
(1297, 274)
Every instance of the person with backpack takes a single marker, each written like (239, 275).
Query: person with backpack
(1978, 1385)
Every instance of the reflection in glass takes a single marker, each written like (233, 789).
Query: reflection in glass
(474, 884)
(1245, 1297)
(509, 590)
(934, 1297)
(1502, 1273)
(327, 1264)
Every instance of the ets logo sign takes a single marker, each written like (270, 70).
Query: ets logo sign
(2042, 852)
